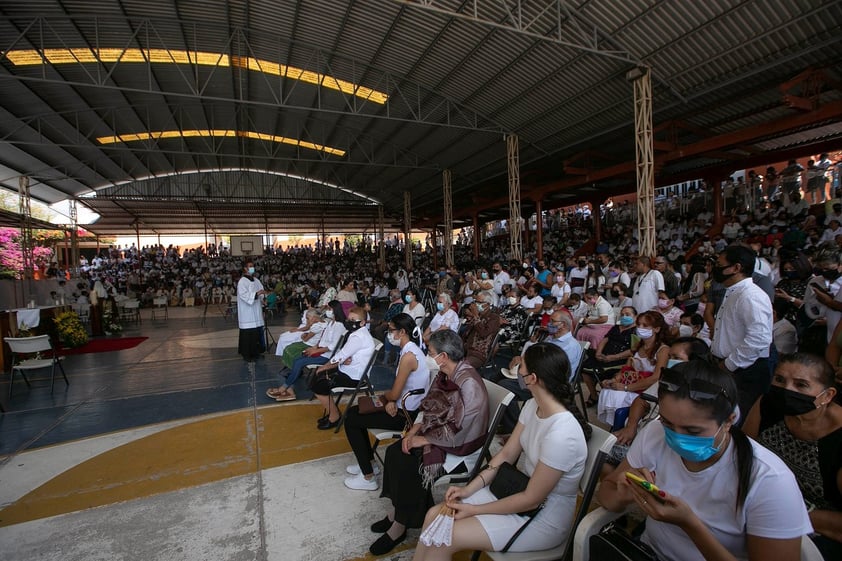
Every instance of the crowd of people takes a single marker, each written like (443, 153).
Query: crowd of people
(734, 331)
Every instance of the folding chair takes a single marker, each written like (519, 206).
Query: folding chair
(380, 435)
(599, 446)
(576, 380)
(30, 345)
(492, 349)
(498, 400)
(160, 309)
(363, 385)
(130, 311)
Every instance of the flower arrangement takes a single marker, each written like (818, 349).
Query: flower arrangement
(70, 330)
(110, 320)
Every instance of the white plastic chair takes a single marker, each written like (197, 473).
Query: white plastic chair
(30, 345)
(160, 309)
(599, 446)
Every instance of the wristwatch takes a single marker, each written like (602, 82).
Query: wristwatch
(792, 299)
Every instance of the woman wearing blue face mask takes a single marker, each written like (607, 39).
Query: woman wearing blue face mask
(444, 318)
(640, 371)
(721, 495)
(611, 353)
(799, 421)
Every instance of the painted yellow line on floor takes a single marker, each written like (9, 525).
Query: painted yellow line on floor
(207, 450)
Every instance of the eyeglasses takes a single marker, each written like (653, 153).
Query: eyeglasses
(698, 390)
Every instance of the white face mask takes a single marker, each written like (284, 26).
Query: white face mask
(685, 330)
(396, 341)
(329, 314)
(512, 300)
(645, 332)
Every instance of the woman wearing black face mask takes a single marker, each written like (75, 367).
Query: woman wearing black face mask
(799, 421)
(795, 274)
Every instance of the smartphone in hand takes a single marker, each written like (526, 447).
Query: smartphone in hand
(650, 487)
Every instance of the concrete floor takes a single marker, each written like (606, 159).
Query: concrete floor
(171, 451)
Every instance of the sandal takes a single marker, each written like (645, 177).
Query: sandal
(286, 395)
(273, 393)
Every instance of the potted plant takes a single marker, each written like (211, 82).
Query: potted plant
(70, 330)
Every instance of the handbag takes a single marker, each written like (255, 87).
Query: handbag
(371, 404)
(315, 376)
(509, 481)
(615, 544)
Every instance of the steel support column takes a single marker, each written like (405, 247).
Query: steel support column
(476, 236)
(382, 244)
(447, 239)
(73, 266)
(407, 230)
(716, 183)
(596, 216)
(434, 246)
(26, 241)
(644, 160)
(515, 236)
(539, 229)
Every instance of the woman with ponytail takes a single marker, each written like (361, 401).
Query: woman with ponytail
(412, 373)
(720, 495)
(551, 433)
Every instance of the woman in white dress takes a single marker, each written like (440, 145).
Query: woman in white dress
(551, 433)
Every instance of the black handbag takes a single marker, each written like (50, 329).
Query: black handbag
(509, 481)
(615, 544)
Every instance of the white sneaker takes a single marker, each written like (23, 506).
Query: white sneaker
(354, 469)
(360, 483)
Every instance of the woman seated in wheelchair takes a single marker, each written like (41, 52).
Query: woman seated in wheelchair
(551, 433)
(709, 492)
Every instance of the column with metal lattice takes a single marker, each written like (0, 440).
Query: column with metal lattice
(74, 240)
(25, 236)
(407, 229)
(515, 235)
(644, 157)
(381, 231)
(448, 218)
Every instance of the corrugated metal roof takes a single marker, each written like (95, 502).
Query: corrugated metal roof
(454, 86)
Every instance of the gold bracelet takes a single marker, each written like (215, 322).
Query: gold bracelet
(484, 484)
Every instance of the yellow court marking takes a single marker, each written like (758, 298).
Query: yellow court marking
(207, 450)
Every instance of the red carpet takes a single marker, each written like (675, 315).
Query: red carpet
(105, 345)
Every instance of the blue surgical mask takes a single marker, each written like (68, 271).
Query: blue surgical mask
(626, 321)
(251, 270)
(440, 306)
(484, 275)
(480, 307)
(673, 361)
(552, 328)
(408, 298)
(691, 447)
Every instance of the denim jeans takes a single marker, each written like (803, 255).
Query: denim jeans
(298, 367)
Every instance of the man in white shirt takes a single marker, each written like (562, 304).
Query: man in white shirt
(578, 277)
(501, 278)
(742, 331)
(647, 284)
(532, 301)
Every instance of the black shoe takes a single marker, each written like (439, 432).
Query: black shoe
(385, 544)
(326, 424)
(381, 526)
